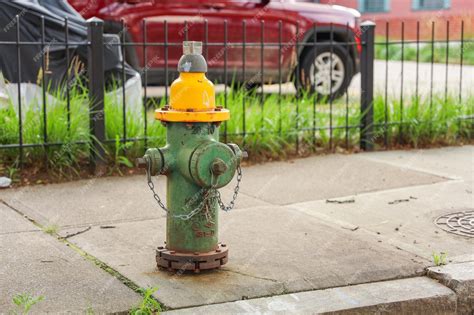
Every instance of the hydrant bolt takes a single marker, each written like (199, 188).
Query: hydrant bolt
(218, 167)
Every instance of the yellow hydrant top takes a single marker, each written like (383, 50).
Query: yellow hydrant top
(192, 95)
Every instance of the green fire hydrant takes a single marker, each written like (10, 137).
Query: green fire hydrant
(196, 165)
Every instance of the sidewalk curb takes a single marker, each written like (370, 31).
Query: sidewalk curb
(406, 296)
(458, 277)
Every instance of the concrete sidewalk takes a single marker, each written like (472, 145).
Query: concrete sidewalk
(306, 226)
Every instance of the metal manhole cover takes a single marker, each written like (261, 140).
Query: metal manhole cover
(460, 223)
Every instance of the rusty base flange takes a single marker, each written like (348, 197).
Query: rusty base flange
(173, 260)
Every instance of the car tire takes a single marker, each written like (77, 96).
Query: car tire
(111, 27)
(318, 82)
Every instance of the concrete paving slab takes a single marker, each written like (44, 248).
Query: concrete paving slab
(97, 201)
(460, 278)
(38, 264)
(273, 250)
(403, 217)
(451, 162)
(406, 296)
(13, 222)
(321, 177)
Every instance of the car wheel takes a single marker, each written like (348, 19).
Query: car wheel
(326, 76)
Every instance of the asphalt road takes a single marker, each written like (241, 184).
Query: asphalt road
(394, 80)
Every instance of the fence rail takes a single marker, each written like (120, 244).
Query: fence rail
(367, 126)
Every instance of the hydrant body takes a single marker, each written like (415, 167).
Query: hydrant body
(196, 165)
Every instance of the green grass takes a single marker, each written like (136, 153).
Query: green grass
(272, 129)
(425, 52)
(425, 122)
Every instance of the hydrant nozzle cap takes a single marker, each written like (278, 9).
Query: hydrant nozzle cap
(192, 48)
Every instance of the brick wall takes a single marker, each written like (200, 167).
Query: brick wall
(401, 10)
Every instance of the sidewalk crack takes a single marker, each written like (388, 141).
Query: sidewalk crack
(249, 275)
(77, 233)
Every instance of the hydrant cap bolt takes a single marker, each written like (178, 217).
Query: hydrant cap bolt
(192, 48)
(218, 167)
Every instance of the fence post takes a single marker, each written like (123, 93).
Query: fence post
(367, 86)
(95, 30)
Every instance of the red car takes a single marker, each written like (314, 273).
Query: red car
(299, 20)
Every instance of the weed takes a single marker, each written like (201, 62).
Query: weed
(12, 171)
(51, 229)
(119, 158)
(439, 259)
(24, 302)
(148, 305)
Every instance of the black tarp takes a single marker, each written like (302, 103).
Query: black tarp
(32, 52)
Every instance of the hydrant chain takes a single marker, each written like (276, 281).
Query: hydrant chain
(184, 217)
(234, 197)
(209, 194)
(152, 186)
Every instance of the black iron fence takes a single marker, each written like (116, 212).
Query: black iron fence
(361, 117)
